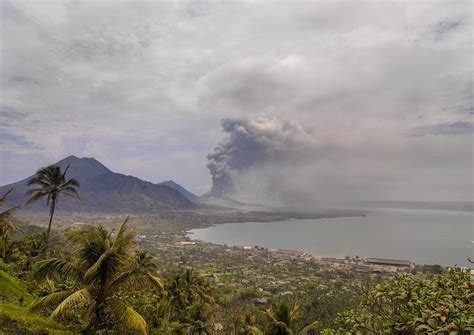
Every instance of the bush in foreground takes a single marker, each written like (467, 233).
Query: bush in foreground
(409, 305)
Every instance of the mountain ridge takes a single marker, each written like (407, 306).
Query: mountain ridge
(103, 190)
(170, 183)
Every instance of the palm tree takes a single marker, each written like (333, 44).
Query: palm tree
(199, 319)
(249, 325)
(101, 268)
(166, 321)
(187, 288)
(6, 226)
(186, 306)
(281, 319)
(144, 260)
(51, 183)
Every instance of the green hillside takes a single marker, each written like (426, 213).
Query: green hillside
(11, 290)
(17, 319)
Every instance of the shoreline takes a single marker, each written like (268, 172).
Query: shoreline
(240, 237)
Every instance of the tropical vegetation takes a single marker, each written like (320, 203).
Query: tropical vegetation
(7, 226)
(50, 183)
(96, 280)
(409, 305)
(96, 274)
(280, 320)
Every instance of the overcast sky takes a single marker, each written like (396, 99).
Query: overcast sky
(143, 87)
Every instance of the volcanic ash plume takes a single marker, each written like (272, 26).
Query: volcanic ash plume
(254, 143)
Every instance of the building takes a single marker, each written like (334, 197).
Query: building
(390, 262)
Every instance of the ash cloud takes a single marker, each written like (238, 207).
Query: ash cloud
(252, 144)
(273, 161)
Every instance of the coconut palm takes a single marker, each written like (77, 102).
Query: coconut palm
(7, 226)
(199, 319)
(144, 260)
(186, 288)
(187, 305)
(281, 319)
(166, 321)
(249, 325)
(100, 269)
(51, 182)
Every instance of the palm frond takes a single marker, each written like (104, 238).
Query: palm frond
(35, 190)
(294, 311)
(58, 267)
(274, 319)
(65, 170)
(50, 300)
(7, 224)
(122, 229)
(8, 212)
(35, 180)
(253, 330)
(309, 328)
(136, 280)
(45, 184)
(69, 189)
(43, 177)
(77, 298)
(71, 183)
(36, 196)
(124, 239)
(72, 195)
(127, 317)
(90, 243)
(51, 285)
(94, 270)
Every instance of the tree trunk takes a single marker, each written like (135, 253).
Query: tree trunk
(51, 213)
(4, 249)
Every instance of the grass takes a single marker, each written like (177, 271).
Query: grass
(11, 289)
(14, 318)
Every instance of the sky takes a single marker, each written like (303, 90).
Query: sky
(363, 100)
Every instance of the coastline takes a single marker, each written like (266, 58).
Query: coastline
(419, 239)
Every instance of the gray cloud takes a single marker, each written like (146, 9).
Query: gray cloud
(444, 27)
(456, 128)
(132, 82)
(8, 139)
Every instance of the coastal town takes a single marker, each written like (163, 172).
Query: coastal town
(259, 272)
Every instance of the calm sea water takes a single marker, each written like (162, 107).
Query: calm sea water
(422, 236)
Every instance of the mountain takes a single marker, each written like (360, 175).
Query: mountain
(213, 199)
(190, 196)
(103, 190)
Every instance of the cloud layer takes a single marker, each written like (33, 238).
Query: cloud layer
(143, 86)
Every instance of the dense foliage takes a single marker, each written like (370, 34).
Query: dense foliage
(94, 274)
(7, 227)
(408, 305)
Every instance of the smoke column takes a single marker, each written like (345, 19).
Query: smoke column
(253, 143)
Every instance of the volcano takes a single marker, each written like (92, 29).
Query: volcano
(103, 190)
